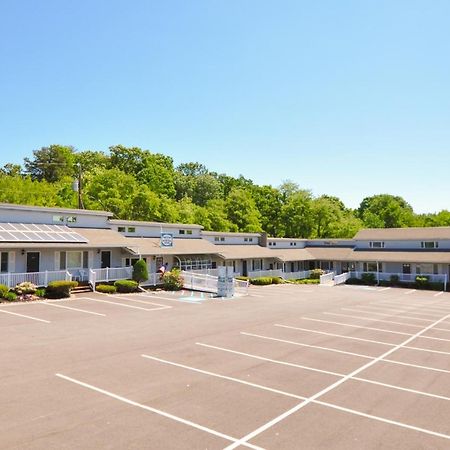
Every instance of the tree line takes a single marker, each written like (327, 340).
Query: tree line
(137, 184)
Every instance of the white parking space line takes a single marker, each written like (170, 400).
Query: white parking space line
(143, 302)
(367, 340)
(224, 377)
(438, 294)
(275, 361)
(387, 315)
(120, 304)
(334, 335)
(153, 410)
(71, 308)
(25, 316)
(372, 319)
(193, 301)
(357, 326)
(396, 310)
(384, 289)
(334, 385)
(410, 292)
(417, 308)
(300, 344)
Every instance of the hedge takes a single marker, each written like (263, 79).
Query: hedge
(60, 289)
(126, 286)
(261, 281)
(307, 281)
(106, 289)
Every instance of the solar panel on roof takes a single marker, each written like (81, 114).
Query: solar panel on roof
(18, 232)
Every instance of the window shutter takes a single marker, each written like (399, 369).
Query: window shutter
(57, 261)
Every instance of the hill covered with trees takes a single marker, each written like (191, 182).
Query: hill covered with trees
(137, 184)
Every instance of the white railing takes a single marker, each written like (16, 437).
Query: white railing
(265, 273)
(342, 278)
(109, 274)
(327, 278)
(200, 282)
(404, 277)
(296, 275)
(38, 278)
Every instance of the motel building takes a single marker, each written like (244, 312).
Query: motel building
(42, 244)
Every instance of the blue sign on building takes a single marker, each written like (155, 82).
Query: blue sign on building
(166, 240)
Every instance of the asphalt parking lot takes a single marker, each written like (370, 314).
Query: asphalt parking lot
(286, 367)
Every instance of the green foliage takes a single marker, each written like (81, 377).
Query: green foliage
(394, 279)
(315, 274)
(242, 211)
(10, 296)
(140, 271)
(126, 286)
(422, 282)
(51, 163)
(307, 281)
(277, 280)
(241, 278)
(261, 281)
(60, 289)
(356, 281)
(106, 289)
(296, 215)
(369, 278)
(40, 292)
(3, 290)
(173, 280)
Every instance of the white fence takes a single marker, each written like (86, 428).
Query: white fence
(265, 273)
(404, 277)
(200, 282)
(109, 274)
(241, 287)
(342, 278)
(296, 275)
(37, 278)
(327, 278)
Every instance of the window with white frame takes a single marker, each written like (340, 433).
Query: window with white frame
(429, 244)
(188, 231)
(129, 262)
(372, 267)
(376, 244)
(4, 262)
(121, 229)
(74, 260)
(131, 230)
(180, 231)
(427, 268)
(257, 264)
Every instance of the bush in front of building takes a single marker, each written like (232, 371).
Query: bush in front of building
(241, 278)
(394, 280)
(126, 286)
(261, 281)
(277, 280)
(422, 282)
(315, 274)
(60, 289)
(10, 296)
(3, 290)
(140, 271)
(354, 281)
(173, 280)
(40, 292)
(106, 289)
(369, 278)
(25, 288)
(307, 281)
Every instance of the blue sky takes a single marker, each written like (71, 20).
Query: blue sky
(348, 98)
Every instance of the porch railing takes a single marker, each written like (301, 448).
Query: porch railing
(200, 282)
(296, 275)
(265, 273)
(327, 278)
(38, 278)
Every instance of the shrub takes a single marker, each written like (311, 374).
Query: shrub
(25, 288)
(307, 281)
(106, 288)
(173, 280)
(277, 280)
(354, 281)
(241, 278)
(422, 282)
(368, 278)
(125, 286)
(40, 293)
(395, 279)
(10, 296)
(3, 290)
(261, 281)
(140, 271)
(316, 274)
(60, 289)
